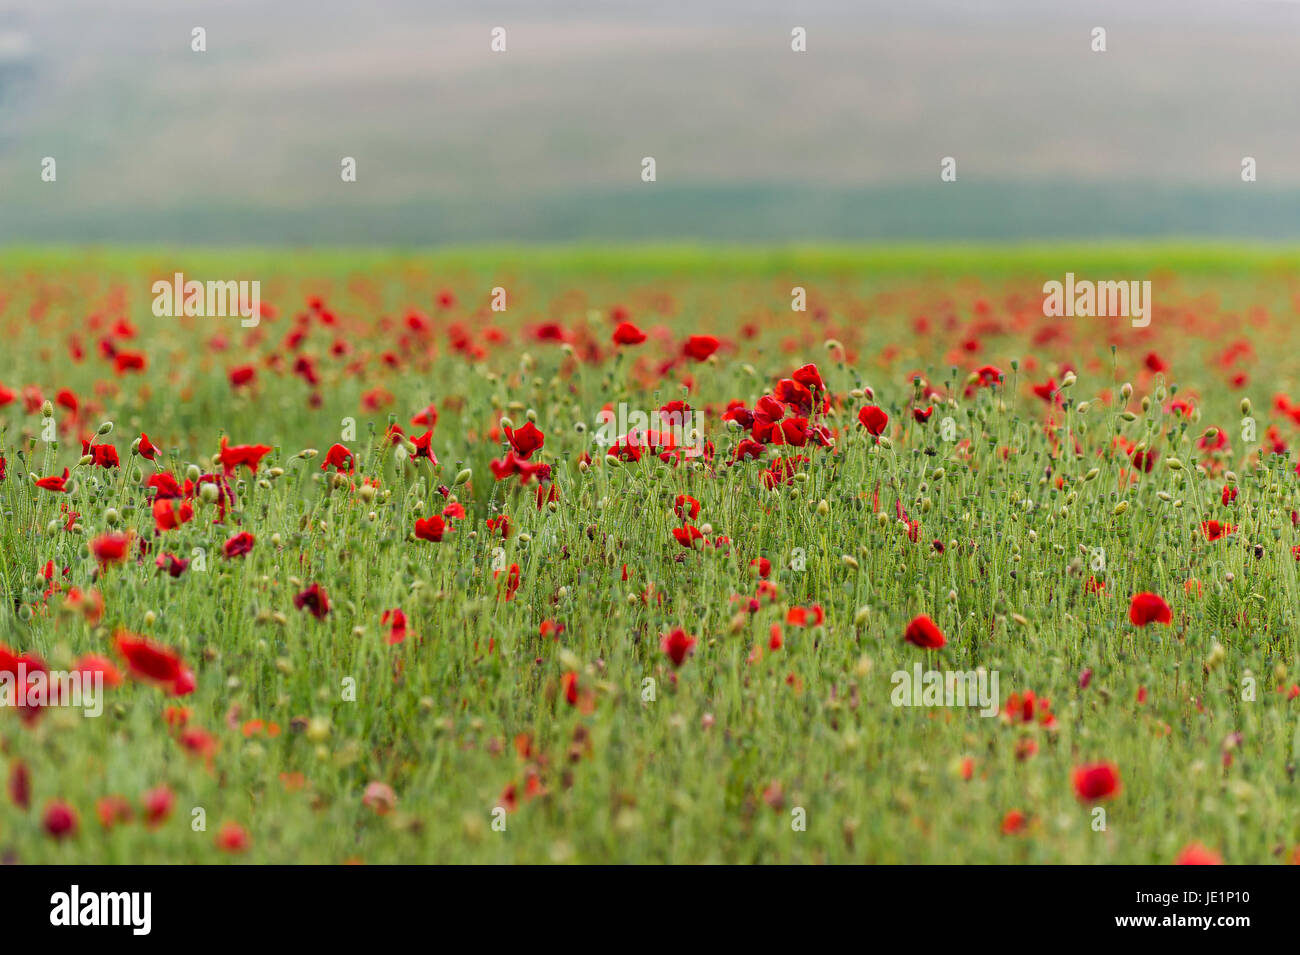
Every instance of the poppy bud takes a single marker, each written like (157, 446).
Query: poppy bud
(1068, 380)
(105, 429)
(112, 517)
(849, 561)
(209, 492)
(861, 616)
(1174, 464)
(1083, 407)
(47, 408)
(192, 473)
(506, 424)
(462, 477)
(1245, 407)
(1120, 508)
(823, 508)
(1126, 391)
(1092, 474)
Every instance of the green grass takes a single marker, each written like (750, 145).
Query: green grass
(711, 769)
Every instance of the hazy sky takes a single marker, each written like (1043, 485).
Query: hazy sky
(139, 123)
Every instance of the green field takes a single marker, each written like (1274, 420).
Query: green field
(1022, 528)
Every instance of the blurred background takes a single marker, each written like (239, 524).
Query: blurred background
(753, 142)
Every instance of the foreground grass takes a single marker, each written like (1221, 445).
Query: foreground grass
(469, 712)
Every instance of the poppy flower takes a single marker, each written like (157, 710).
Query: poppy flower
(20, 784)
(687, 535)
(806, 616)
(60, 820)
(395, 620)
(810, 378)
(1095, 782)
(93, 663)
(158, 803)
(628, 334)
(340, 459)
(700, 347)
(101, 455)
(1148, 608)
(239, 545)
(169, 513)
(686, 507)
(424, 447)
(1196, 854)
(110, 548)
(174, 565)
(58, 485)
(112, 810)
(923, 632)
(569, 685)
(921, 417)
(431, 528)
(525, 440)
(146, 447)
(1213, 530)
(677, 645)
(154, 663)
(873, 419)
(314, 600)
(762, 566)
(249, 455)
(232, 838)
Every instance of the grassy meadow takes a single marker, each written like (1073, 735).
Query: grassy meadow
(446, 642)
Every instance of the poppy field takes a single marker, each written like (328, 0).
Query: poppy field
(602, 555)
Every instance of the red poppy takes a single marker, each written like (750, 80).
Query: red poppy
(1148, 608)
(232, 837)
(677, 645)
(873, 419)
(1213, 530)
(340, 459)
(700, 347)
(110, 548)
(687, 535)
(628, 334)
(923, 632)
(686, 507)
(146, 447)
(1197, 854)
(921, 417)
(158, 803)
(249, 455)
(525, 440)
(93, 663)
(431, 528)
(60, 820)
(169, 513)
(1095, 782)
(314, 600)
(154, 663)
(239, 545)
(395, 620)
(57, 484)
